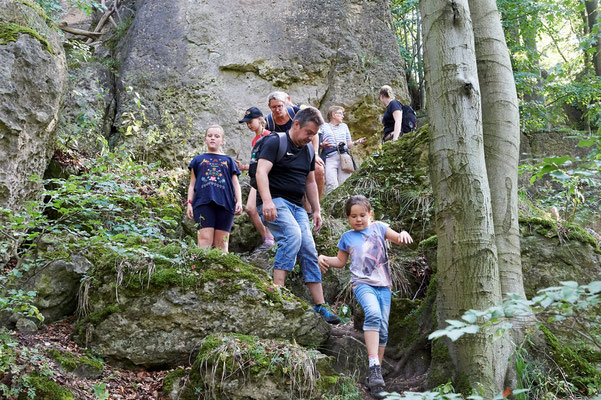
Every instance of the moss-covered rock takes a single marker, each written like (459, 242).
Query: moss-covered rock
(221, 81)
(33, 81)
(56, 287)
(11, 32)
(235, 366)
(579, 368)
(552, 253)
(81, 366)
(396, 181)
(157, 318)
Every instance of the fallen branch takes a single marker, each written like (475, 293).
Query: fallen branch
(66, 28)
(103, 19)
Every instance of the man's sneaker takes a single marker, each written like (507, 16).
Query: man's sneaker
(265, 246)
(324, 311)
(375, 382)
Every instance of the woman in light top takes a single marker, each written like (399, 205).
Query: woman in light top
(335, 137)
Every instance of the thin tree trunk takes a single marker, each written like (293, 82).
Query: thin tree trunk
(501, 131)
(467, 259)
(420, 63)
(592, 12)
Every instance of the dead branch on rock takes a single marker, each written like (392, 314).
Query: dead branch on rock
(105, 17)
(75, 31)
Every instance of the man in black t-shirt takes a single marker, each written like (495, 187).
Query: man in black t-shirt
(281, 185)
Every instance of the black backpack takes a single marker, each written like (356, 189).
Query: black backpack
(283, 147)
(409, 118)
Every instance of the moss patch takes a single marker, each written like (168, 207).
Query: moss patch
(38, 9)
(70, 363)
(173, 378)
(94, 318)
(11, 32)
(47, 389)
(576, 366)
(549, 228)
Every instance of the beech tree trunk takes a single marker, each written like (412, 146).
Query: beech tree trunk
(467, 257)
(501, 131)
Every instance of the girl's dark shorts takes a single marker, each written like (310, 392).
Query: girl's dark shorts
(214, 216)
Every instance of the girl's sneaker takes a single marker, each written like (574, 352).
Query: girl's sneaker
(329, 316)
(375, 382)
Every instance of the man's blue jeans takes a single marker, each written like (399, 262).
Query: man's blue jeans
(375, 302)
(292, 233)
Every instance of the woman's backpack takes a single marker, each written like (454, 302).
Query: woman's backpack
(409, 118)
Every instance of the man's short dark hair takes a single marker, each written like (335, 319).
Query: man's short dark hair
(309, 114)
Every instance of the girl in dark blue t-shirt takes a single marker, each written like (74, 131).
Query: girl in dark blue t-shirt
(214, 194)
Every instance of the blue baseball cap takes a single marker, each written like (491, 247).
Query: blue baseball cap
(250, 114)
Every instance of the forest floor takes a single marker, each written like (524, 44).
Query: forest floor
(120, 383)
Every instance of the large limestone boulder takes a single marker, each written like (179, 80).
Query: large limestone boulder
(240, 367)
(56, 287)
(32, 84)
(160, 322)
(214, 59)
(552, 254)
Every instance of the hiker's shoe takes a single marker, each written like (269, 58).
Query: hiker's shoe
(324, 311)
(375, 382)
(264, 247)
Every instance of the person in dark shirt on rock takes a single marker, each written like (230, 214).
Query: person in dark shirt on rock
(281, 185)
(393, 116)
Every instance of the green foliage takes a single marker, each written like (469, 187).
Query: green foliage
(406, 23)
(104, 213)
(537, 376)
(549, 71)
(572, 181)
(119, 33)
(570, 301)
(165, 141)
(557, 303)
(54, 8)
(100, 391)
(25, 372)
(443, 392)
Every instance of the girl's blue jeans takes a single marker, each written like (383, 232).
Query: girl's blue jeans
(375, 302)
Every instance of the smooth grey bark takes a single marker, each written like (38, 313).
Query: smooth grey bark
(467, 258)
(501, 131)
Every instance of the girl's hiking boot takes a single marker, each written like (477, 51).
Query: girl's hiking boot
(375, 382)
(324, 311)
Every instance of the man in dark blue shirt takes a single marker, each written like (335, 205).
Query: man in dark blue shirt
(281, 185)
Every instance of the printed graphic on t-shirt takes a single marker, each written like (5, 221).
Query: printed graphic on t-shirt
(212, 174)
(369, 261)
(373, 254)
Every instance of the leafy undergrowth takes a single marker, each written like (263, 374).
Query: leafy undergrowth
(33, 354)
